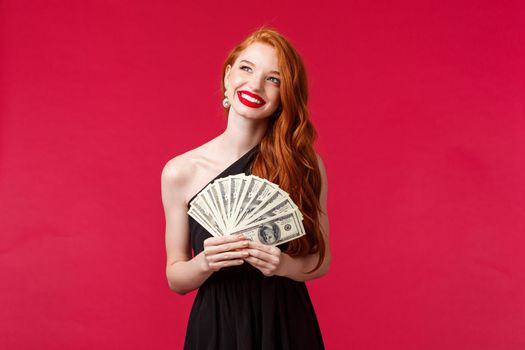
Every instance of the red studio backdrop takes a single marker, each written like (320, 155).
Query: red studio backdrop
(420, 112)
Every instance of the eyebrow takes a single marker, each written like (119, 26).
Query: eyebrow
(273, 71)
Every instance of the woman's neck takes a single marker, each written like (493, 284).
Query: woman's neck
(242, 134)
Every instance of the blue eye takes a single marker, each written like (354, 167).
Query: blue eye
(277, 81)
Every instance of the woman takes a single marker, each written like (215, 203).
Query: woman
(252, 296)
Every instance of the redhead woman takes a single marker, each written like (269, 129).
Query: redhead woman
(252, 295)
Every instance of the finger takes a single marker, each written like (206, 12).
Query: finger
(227, 256)
(223, 239)
(224, 247)
(264, 267)
(263, 256)
(269, 249)
(215, 266)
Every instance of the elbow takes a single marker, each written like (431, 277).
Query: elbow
(177, 289)
(325, 267)
(319, 272)
(322, 271)
(174, 283)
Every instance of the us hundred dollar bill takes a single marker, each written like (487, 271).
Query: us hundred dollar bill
(264, 191)
(273, 210)
(275, 230)
(204, 213)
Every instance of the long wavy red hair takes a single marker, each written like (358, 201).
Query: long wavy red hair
(287, 156)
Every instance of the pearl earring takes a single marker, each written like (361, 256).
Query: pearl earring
(225, 102)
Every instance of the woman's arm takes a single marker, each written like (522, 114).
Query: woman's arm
(183, 272)
(271, 261)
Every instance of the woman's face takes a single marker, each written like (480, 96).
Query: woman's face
(253, 82)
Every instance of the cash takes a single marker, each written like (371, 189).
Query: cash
(250, 205)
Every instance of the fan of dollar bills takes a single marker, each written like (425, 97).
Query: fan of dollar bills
(250, 205)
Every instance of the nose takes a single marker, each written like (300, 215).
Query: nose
(257, 82)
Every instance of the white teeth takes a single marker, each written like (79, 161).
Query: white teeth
(251, 99)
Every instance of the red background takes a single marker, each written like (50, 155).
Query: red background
(420, 111)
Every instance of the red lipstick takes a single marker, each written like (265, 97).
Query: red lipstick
(248, 103)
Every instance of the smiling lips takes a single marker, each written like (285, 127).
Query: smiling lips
(249, 99)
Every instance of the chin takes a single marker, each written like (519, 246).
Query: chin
(255, 116)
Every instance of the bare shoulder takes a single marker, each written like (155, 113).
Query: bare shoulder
(179, 168)
(182, 173)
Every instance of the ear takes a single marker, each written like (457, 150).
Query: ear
(227, 76)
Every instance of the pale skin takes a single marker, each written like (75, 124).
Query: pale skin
(255, 70)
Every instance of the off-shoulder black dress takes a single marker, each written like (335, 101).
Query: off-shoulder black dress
(238, 308)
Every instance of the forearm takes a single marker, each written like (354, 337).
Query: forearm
(185, 276)
(296, 268)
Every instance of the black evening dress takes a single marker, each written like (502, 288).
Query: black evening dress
(238, 308)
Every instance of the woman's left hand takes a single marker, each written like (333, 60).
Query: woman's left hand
(267, 259)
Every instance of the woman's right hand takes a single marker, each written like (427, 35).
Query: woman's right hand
(224, 251)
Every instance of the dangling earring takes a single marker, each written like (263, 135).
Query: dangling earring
(225, 102)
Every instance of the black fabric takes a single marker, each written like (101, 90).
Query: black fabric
(240, 308)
